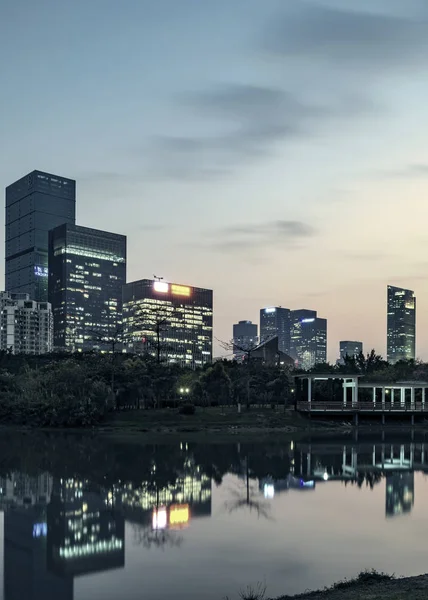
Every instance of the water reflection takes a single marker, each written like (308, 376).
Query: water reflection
(66, 518)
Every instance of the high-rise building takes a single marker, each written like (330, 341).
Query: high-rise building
(275, 320)
(87, 269)
(401, 324)
(308, 338)
(26, 325)
(169, 321)
(244, 337)
(351, 349)
(34, 204)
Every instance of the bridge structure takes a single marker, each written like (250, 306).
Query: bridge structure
(346, 394)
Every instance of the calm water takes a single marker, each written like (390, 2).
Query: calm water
(85, 519)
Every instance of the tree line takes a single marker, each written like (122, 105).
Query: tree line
(80, 390)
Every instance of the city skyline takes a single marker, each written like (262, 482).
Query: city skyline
(284, 210)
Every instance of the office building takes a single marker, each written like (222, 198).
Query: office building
(350, 349)
(34, 204)
(275, 320)
(26, 326)
(308, 338)
(244, 338)
(170, 321)
(87, 269)
(85, 529)
(401, 324)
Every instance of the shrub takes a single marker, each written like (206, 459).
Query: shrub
(187, 409)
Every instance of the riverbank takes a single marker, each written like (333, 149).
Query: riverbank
(215, 422)
(371, 586)
(227, 422)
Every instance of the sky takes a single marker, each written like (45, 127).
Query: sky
(272, 150)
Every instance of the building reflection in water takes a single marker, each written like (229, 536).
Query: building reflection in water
(399, 494)
(59, 529)
(369, 464)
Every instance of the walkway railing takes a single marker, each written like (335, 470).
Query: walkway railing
(379, 407)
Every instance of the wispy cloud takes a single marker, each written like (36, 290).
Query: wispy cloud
(241, 238)
(411, 171)
(350, 37)
(250, 121)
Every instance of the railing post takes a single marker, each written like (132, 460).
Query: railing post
(423, 398)
(412, 398)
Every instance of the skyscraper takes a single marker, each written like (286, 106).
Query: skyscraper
(308, 338)
(351, 349)
(401, 324)
(87, 269)
(275, 320)
(26, 326)
(34, 204)
(244, 337)
(169, 321)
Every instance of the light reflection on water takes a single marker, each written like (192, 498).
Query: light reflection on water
(87, 519)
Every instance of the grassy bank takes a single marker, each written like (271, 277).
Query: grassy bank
(213, 421)
(371, 586)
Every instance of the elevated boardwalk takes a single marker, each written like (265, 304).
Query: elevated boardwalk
(346, 394)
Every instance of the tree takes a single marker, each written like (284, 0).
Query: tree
(216, 384)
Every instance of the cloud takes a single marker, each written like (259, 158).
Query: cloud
(409, 171)
(349, 37)
(279, 233)
(249, 121)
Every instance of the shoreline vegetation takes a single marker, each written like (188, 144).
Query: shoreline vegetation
(119, 392)
(369, 585)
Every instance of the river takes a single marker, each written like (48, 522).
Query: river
(85, 518)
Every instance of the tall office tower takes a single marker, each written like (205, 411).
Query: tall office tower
(308, 338)
(275, 320)
(244, 338)
(26, 326)
(169, 321)
(34, 204)
(350, 349)
(401, 324)
(85, 529)
(87, 269)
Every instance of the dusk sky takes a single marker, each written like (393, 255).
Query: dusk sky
(273, 150)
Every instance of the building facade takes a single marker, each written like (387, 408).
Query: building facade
(401, 324)
(87, 269)
(308, 338)
(350, 349)
(276, 320)
(244, 338)
(169, 321)
(26, 325)
(34, 204)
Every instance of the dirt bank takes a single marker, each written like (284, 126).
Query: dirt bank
(382, 588)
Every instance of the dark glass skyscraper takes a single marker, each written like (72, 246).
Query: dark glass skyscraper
(87, 269)
(169, 321)
(350, 349)
(244, 337)
(401, 324)
(308, 338)
(275, 320)
(34, 204)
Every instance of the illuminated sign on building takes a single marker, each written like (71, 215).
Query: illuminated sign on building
(180, 290)
(270, 310)
(161, 286)
(179, 514)
(40, 530)
(159, 519)
(307, 320)
(41, 271)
